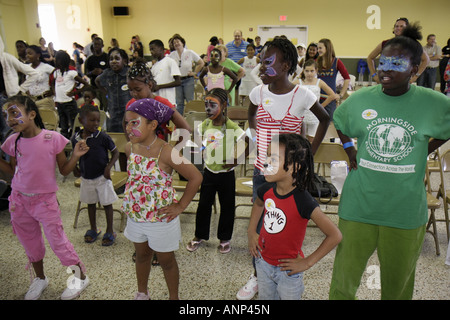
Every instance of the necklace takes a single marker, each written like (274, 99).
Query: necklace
(148, 147)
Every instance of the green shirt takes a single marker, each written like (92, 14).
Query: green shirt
(220, 142)
(392, 135)
(233, 67)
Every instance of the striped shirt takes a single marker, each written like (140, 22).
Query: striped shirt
(236, 53)
(277, 114)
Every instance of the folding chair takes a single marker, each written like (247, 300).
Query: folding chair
(433, 204)
(50, 118)
(326, 153)
(194, 105)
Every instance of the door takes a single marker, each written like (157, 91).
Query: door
(297, 34)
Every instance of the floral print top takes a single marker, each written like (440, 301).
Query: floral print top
(148, 189)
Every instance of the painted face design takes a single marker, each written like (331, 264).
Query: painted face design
(269, 62)
(13, 112)
(212, 107)
(135, 125)
(394, 63)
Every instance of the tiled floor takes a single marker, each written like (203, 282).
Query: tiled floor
(204, 275)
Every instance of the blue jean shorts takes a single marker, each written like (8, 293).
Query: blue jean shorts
(274, 284)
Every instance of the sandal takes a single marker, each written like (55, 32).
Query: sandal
(91, 235)
(109, 239)
(225, 247)
(194, 244)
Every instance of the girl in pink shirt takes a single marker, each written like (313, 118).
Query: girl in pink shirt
(33, 198)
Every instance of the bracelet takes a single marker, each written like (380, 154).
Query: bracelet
(374, 74)
(348, 144)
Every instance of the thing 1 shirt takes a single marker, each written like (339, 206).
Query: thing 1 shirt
(392, 138)
(36, 161)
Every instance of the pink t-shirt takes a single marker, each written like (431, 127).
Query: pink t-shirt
(36, 161)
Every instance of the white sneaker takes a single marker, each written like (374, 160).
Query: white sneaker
(74, 287)
(248, 291)
(141, 296)
(37, 286)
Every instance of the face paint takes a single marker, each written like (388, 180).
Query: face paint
(399, 64)
(269, 62)
(135, 124)
(212, 107)
(15, 113)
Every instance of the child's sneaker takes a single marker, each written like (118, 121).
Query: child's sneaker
(74, 287)
(141, 296)
(36, 288)
(248, 291)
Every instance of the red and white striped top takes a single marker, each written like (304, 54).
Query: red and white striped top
(290, 122)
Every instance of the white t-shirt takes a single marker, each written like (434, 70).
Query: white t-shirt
(39, 87)
(64, 83)
(186, 61)
(277, 104)
(163, 72)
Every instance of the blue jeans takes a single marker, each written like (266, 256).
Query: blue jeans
(428, 78)
(184, 92)
(274, 284)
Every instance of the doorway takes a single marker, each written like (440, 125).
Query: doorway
(297, 34)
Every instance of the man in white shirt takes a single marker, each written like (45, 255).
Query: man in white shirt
(165, 72)
(428, 77)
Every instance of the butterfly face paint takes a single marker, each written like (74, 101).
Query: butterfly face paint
(394, 63)
(13, 112)
(269, 62)
(135, 125)
(212, 107)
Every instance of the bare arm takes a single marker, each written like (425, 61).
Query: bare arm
(324, 122)
(371, 62)
(332, 238)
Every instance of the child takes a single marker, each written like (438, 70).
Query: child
(393, 122)
(40, 90)
(113, 83)
(34, 154)
(329, 66)
(140, 83)
(63, 86)
(277, 106)
(216, 73)
(153, 223)
(310, 81)
(248, 63)
(89, 97)
(220, 135)
(287, 207)
(165, 71)
(95, 168)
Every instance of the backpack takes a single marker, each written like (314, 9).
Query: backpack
(323, 190)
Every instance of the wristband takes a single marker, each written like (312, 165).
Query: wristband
(374, 74)
(348, 144)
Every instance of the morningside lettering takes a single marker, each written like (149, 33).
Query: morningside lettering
(400, 122)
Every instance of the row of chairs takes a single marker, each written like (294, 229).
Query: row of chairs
(438, 164)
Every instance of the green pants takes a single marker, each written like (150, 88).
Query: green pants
(397, 249)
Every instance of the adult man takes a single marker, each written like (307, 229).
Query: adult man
(94, 66)
(428, 77)
(237, 48)
(88, 49)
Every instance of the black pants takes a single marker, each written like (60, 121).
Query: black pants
(224, 184)
(67, 112)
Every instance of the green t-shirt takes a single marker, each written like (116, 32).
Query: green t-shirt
(392, 136)
(234, 67)
(221, 143)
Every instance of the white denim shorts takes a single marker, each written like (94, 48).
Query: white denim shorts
(161, 236)
(97, 190)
